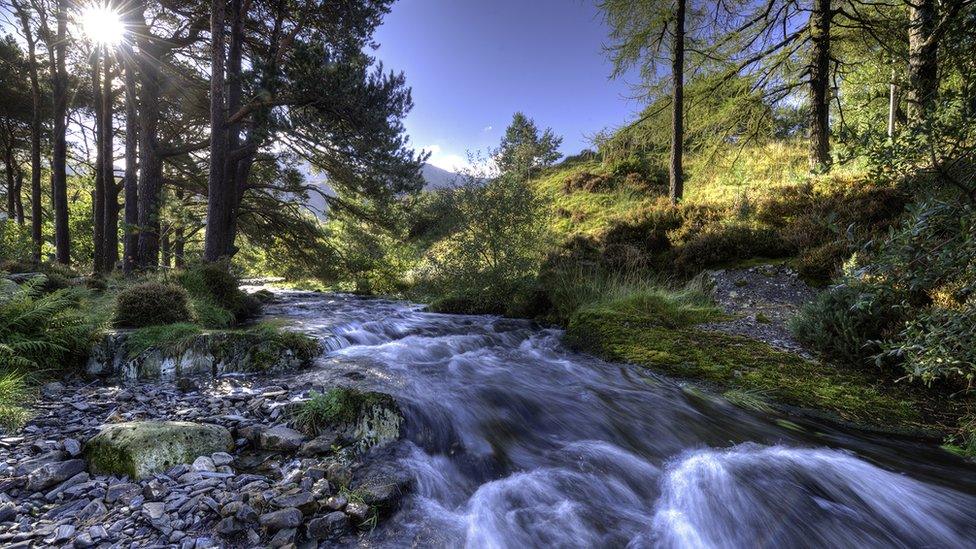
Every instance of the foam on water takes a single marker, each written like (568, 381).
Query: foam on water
(517, 442)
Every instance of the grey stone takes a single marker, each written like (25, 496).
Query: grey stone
(282, 519)
(336, 503)
(222, 458)
(72, 446)
(358, 511)
(203, 463)
(228, 526)
(54, 473)
(8, 511)
(123, 492)
(280, 438)
(302, 500)
(142, 448)
(95, 509)
(331, 526)
(154, 510)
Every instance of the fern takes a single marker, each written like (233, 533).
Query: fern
(41, 332)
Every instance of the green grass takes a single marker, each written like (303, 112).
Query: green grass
(336, 406)
(164, 336)
(15, 392)
(658, 331)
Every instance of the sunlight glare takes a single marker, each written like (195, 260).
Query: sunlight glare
(102, 24)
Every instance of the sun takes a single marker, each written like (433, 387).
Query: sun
(102, 25)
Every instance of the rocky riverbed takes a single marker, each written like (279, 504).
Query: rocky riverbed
(274, 487)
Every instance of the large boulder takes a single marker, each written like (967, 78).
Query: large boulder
(142, 448)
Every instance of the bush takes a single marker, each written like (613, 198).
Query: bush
(151, 303)
(41, 332)
(724, 243)
(939, 344)
(217, 299)
(845, 323)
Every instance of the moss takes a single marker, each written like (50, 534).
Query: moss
(337, 406)
(167, 337)
(740, 364)
(142, 448)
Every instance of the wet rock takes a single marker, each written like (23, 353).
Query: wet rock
(229, 526)
(282, 519)
(283, 538)
(320, 445)
(357, 511)
(382, 484)
(139, 449)
(187, 385)
(51, 474)
(336, 503)
(222, 458)
(281, 439)
(331, 526)
(52, 390)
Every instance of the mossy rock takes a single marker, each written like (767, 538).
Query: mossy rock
(142, 448)
(364, 419)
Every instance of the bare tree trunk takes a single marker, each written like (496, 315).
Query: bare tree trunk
(35, 153)
(179, 244)
(923, 62)
(164, 247)
(98, 200)
(219, 194)
(676, 172)
(8, 163)
(131, 240)
(110, 215)
(18, 198)
(819, 74)
(150, 184)
(59, 155)
(892, 104)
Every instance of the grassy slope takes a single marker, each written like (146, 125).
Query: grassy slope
(659, 332)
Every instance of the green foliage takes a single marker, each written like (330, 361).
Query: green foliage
(15, 241)
(524, 149)
(217, 300)
(152, 303)
(845, 323)
(335, 406)
(15, 393)
(938, 344)
(41, 332)
(489, 262)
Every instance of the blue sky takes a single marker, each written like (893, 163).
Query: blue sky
(473, 63)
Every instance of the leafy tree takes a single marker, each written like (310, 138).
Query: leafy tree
(524, 149)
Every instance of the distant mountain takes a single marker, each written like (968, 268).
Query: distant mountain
(438, 178)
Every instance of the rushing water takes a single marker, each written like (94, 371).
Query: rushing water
(516, 441)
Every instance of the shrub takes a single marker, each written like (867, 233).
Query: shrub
(939, 344)
(14, 394)
(845, 323)
(160, 336)
(152, 303)
(216, 295)
(724, 243)
(41, 331)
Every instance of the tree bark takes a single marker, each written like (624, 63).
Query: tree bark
(35, 152)
(219, 193)
(131, 219)
(819, 74)
(110, 216)
(165, 254)
(676, 172)
(98, 196)
(923, 62)
(59, 154)
(150, 183)
(8, 163)
(18, 198)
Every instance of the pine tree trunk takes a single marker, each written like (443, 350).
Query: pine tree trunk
(59, 154)
(98, 196)
(923, 62)
(819, 74)
(150, 183)
(35, 152)
(8, 163)
(111, 199)
(219, 194)
(130, 182)
(18, 199)
(676, 172)
(164, 248)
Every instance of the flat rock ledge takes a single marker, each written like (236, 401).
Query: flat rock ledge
(232, 470)
(208, 354)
